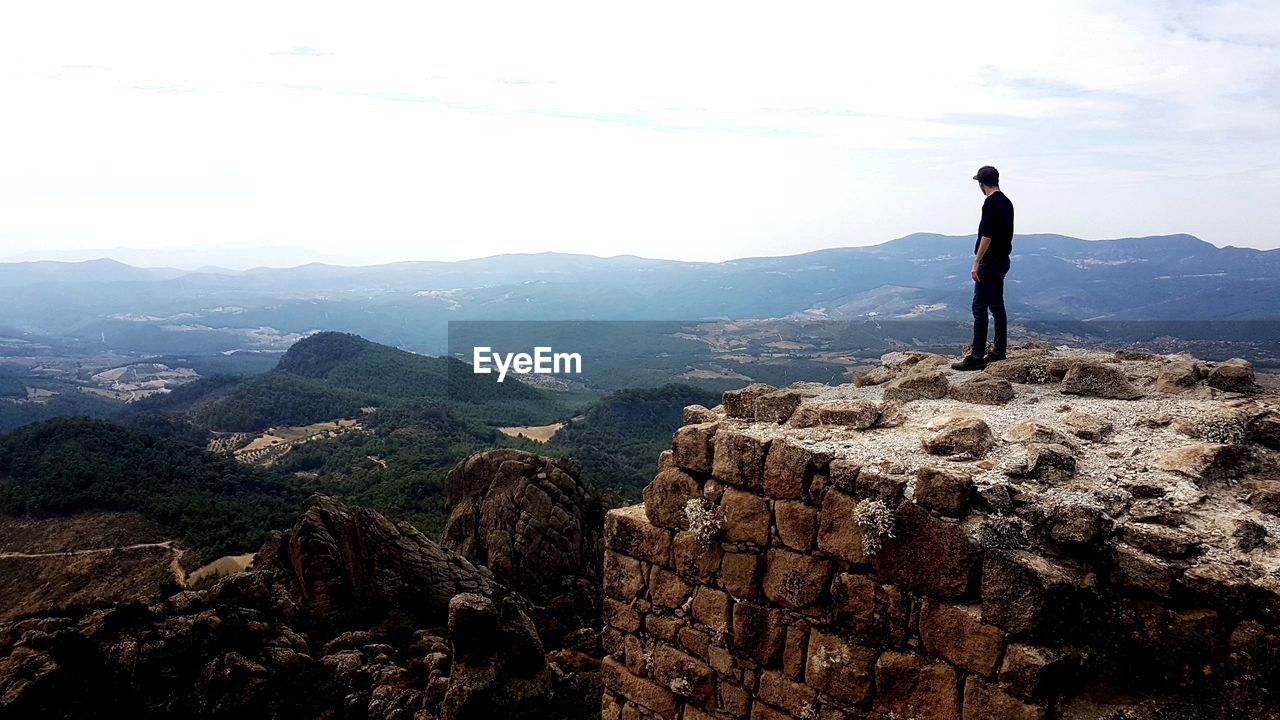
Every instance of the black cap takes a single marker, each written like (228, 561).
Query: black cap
(988, 176)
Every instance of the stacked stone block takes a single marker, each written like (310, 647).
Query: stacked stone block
(793, 606)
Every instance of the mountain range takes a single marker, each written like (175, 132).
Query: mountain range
(105, 304)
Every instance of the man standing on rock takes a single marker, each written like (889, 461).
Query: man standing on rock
(990, 264)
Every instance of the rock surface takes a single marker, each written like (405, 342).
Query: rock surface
(1098, 541)
(531, 521)
(344, 615)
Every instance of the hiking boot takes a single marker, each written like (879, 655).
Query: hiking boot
(969, 363)
(994, 357)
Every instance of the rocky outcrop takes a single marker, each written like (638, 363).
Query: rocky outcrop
(350, 564)
(344, 615)
(1098, 541)
(531, 520)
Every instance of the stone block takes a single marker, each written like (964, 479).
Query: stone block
(711, 608)
(1135, 569)
(628, 531)
(963, 435)
(684, 675)
(665, 498)
(797, 523)
(624, 576)
(927, 554)
(758, 632)
(957, 634)
(858, 414)
(638, 690)
(1026, 594)
(739, 459)
(741, 403)
(988, 702)
(919, 385)
(1032, 671)
(839, 668)
(621, 615)
(872, 612)
(746, 517)
(788, 468)
(693, 446)
(783, 692)
(698, 414)
(666, 589)
(795, 649)
(777, 406)
(740, 574)
(944, 490)
(876, 483)
(983, 390)
(913, 687)
(795, 580)
(839, 534)
(694, 559)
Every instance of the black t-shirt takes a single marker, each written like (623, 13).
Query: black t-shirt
(997, 224)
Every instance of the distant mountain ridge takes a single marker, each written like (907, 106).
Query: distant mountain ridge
(408, 304)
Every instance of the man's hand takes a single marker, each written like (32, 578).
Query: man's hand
(983, 243)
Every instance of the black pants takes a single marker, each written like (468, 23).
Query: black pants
(988, 294)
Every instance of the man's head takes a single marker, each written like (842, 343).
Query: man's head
(988, 179)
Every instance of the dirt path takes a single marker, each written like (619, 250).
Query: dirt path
(175, 561)
(167, 545)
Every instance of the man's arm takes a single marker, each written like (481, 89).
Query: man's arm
(983, 244)
(984, 238)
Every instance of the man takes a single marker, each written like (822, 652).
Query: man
(990, 264)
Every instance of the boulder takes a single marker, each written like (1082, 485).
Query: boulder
(858, 414)
(533, 521)
(1030, 370)
(1204, 462)
(499, 668)
(1178, 377)
(920, 385)
(1234, 375)
(1085, 426)
(1048, 462)
(349, 564)
(1034, 431)
(963, 435)
(1097, 379)
(983, 390)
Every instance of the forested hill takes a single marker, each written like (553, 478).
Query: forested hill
(331, 375)
(67, 465)
(619, 438)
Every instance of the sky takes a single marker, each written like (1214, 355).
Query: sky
(373, 132)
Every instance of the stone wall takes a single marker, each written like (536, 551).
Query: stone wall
(1066, 535)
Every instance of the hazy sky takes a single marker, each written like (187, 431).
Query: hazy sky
(693, 130)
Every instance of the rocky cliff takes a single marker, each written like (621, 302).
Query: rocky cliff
(344, 615)
(1065, 535)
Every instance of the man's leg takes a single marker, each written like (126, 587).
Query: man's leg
(996, 301)
(981, 301)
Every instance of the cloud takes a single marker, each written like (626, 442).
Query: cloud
(703, 130)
